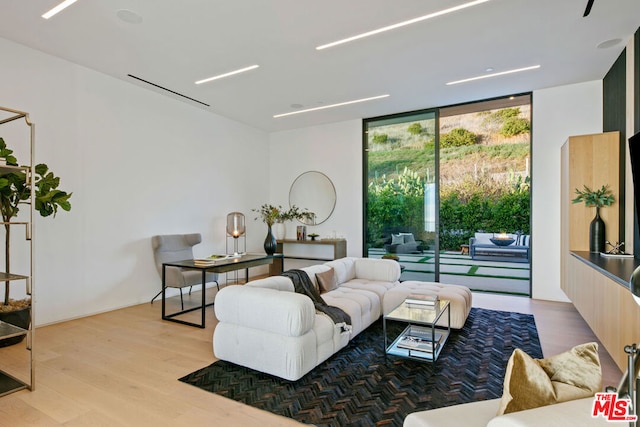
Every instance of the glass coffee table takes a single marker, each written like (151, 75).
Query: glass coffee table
(421, 339)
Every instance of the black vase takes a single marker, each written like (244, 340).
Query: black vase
(270, 243)
(596, 233)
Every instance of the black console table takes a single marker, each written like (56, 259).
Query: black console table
(231, 264)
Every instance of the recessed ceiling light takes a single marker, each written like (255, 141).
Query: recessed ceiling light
(59, 8)
(330, 106)
(488, 70)
(129, 16)
(502, 73)
(231, 73)
(403, 24)
(608, 43)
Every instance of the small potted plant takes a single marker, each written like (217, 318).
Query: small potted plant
(598, 198)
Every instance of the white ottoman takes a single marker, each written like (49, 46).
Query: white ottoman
(459, 297)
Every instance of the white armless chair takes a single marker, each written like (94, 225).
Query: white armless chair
(178, 247)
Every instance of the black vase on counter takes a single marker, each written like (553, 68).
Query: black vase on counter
(270, 243)
(596, 233)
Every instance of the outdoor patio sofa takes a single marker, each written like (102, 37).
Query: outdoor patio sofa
(401, 240)
(482, 248)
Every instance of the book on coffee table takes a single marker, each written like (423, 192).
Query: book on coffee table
(422, 299)
(416, 343)
(423, 334)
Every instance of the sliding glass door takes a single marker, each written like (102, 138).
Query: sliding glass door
(401, 192)
(436, 181)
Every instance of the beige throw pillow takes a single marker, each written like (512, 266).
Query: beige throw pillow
(327, 281)
(531, 383)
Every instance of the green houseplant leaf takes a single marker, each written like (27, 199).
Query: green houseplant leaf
(598, 198)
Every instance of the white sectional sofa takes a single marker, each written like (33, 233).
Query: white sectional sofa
(266, 326)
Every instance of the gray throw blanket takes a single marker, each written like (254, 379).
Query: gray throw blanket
(302, 285)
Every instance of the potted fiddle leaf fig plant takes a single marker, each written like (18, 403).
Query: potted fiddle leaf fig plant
(15, 192)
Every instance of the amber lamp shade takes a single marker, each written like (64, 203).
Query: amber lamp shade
(235, 224)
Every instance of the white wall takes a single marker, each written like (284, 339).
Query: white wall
(138, 164)
(336, 150)
(558, 113)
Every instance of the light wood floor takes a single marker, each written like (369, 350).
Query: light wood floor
(121, 369)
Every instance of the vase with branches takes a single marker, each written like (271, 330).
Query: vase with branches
(270, 215)
(595, 198)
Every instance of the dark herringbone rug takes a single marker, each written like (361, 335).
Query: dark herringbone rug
(359, 387)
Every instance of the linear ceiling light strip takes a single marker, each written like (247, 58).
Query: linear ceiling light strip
(403, 24)
(486, 76)
(330, 106)
(59, 8)
(168, 90)
(231, 73)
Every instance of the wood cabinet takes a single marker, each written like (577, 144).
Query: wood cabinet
(313, 250)
(605, 304)
(594, 161)
(597, 285)
(591, 160)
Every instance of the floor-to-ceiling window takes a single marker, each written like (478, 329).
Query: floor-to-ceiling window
(401, 191)
(436, 178)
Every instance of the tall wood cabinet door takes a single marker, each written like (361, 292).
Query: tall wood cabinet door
(594, 161)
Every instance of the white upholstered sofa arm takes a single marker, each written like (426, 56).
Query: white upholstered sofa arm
(283, 313)
(383, 270)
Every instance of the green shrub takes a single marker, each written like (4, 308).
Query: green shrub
(395, 203)
(497, 118)
(458, 137)
(415, 128)
(515, 126)
(465, 207)
(380, 138)
(507, 113)
(469, 205)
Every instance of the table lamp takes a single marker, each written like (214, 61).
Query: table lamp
(235, 228)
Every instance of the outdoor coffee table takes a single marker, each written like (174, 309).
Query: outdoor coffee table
(421, 339)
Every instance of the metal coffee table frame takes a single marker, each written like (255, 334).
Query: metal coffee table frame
(421, 321)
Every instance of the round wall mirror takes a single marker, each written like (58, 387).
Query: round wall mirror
(314, 192)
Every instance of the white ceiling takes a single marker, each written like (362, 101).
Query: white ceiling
(179, 42)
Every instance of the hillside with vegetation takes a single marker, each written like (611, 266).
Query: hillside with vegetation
(484, 169)
(493, 142)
